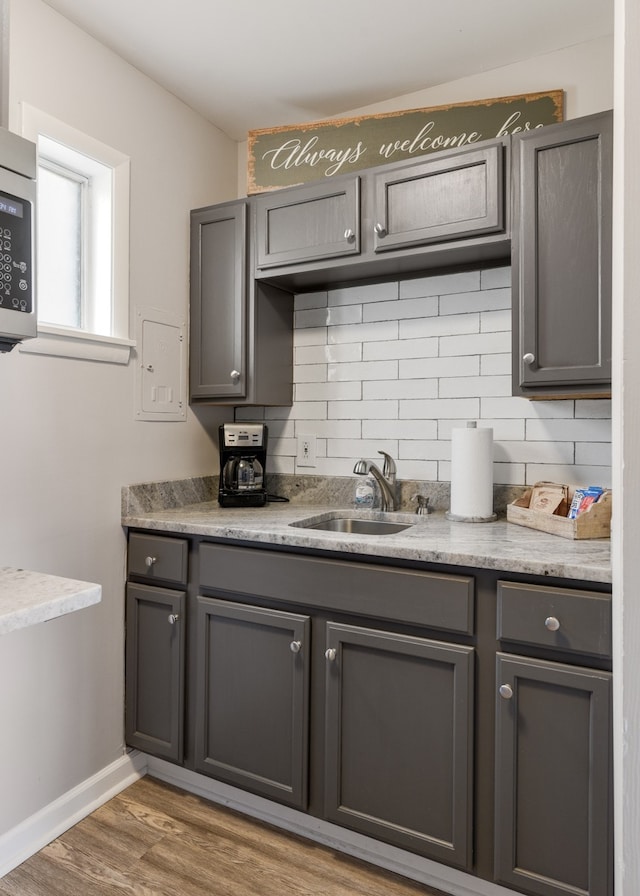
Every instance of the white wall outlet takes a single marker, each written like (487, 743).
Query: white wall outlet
(306, 456)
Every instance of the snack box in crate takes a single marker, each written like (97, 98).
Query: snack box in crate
(594, 522)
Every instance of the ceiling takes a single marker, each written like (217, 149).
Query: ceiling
(247, 64)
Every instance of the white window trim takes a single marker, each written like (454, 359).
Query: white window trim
(67, 342)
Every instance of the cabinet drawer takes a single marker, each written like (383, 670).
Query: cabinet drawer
(559, 618)
(157, 557)
(434, 600)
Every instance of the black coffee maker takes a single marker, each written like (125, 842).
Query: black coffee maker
(243, 457)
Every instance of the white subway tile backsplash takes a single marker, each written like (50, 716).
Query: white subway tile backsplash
(593, 454)
(460, 408)
(328, 391)
(495, 278)
(311, 373)
(402, 310)
(412, 388)
(360, 448)
(363, 370)
(400, 348)
(397, 366)
(476, 344)
(370, 332)
(369, 292)
(435, 368)
(363, 410)
(399, 429)
(577, 430)
(440, 284)
(310, 300)
(459, 387)
(432, 327)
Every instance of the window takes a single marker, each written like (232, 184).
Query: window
(82, 260)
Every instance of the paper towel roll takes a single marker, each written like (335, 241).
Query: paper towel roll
(472, 474)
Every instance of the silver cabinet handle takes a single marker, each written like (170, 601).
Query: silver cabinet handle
(552, 623)
(330, 654)
(173, 618)
(235, 375)
(529, 358)
(505, 691)
(380, 229)
(349, 235)
(149, 561)
(295, 646)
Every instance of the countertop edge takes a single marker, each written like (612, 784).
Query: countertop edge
(507, 547)
(28, 598)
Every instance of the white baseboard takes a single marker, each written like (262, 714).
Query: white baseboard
(35, 832)
(425, 871)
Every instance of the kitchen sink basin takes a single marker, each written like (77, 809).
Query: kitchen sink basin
(353, 525)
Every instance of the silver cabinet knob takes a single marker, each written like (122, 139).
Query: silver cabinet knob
(295, 646)
(149, 561)
(552, 623)
(529, 358)
(349, 235)
(380, 229)
(330, 654)
(173, 618)
(505, 691)
(235, 375)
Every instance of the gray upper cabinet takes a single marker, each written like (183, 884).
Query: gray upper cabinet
(306, 224)
(218, 302)
(252, 698)
(399, 740)
(241, 332)
(454, 196)
(561, 258)
(449, 208)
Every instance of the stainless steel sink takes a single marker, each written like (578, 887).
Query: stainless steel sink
(353, 525)
(360, 527)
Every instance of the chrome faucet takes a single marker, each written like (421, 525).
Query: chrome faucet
(385, 479)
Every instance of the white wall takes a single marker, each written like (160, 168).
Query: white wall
(69, 437)
(395, 366)
(583, 71)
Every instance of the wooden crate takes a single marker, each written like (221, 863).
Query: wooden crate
(595, 522)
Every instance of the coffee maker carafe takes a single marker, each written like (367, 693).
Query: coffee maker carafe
(243, 455)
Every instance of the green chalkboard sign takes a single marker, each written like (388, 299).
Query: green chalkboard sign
(287, 156)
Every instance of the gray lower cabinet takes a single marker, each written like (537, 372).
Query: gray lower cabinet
(241, 332)
(399, 740)
(454, 196)
(553, 814)
(155, 663)
(553, 766)
(252, 698)
(561, 258)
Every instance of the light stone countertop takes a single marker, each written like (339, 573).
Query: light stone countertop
(27, 598)
(432, 538)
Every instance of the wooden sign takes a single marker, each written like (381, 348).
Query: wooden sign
(288, 156)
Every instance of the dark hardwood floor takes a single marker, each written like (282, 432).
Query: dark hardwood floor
(155, 840)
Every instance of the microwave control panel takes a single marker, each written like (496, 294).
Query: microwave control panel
(16, 274)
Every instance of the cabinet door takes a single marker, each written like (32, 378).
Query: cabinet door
(307, 224)
(553, 776)
(457, 196)
(561, 257)
(218, 302)
(252, 697)
(155, 658)
(399, 740)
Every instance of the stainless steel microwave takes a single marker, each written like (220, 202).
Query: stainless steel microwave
(17, 239)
